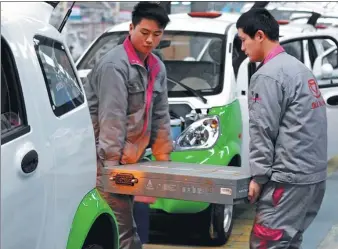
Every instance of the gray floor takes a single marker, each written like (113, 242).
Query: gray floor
(323, 232)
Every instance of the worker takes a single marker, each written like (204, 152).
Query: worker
(128, 102)
(288, 137)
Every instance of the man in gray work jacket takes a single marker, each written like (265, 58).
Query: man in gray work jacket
(128, 101)
(288, 137)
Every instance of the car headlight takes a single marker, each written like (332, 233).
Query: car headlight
(202, 134)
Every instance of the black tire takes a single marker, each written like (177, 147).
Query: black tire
(93, 246)
(218, 224)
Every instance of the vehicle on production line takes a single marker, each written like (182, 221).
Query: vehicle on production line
(208, 79)
(48, 154)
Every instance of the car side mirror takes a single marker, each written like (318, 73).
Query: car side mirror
(326, 71)
(189, 59)
(164, 44)
(84, 72)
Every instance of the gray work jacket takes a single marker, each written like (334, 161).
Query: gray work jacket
(125, 117)
(287, 123)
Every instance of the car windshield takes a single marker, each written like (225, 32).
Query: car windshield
(193, 59)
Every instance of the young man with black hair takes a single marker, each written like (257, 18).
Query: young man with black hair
(128, 102)
(288, 137)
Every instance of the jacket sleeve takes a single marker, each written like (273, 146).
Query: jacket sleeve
(112, 118)
(265, 105)
(160, 141)
(93, 103)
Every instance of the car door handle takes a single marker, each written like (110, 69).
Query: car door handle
(30, 162)
(333, 100)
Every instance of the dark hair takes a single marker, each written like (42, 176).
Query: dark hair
(259, 19)
(152, 11)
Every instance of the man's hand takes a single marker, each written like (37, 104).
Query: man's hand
(254, 191)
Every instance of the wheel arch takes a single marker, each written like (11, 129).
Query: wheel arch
(92, 211)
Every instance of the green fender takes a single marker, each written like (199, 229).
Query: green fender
(90, 208)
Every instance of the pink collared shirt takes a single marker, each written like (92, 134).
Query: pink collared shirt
(277, 50)
(154, 69)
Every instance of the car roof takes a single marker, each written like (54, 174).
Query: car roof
(218, 25)
(35, 11)
(294, 28)
(184, 22)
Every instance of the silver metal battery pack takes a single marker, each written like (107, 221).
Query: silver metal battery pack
(182, 181)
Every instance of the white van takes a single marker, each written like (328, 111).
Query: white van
(48, 159)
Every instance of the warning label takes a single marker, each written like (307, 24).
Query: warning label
(149, 185)
(226, 191)
(169, 187)
(192, 189)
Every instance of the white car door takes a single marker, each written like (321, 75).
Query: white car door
(295, 46)
(69, 136)
(48, 161)
(325, 68)
(243, 81)
(26, 200)
(330, 95)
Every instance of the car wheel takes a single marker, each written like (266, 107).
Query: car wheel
(93, 246)
(219, 223)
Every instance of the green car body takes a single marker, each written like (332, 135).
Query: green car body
(225, 151)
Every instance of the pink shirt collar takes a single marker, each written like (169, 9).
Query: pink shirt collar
(276, 51)
(153, 69)
(133, 57)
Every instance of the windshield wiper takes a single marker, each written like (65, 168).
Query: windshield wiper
(197, 94)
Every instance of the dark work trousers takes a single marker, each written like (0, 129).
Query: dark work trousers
(122, 206)
(141, 216)
(284, 212)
